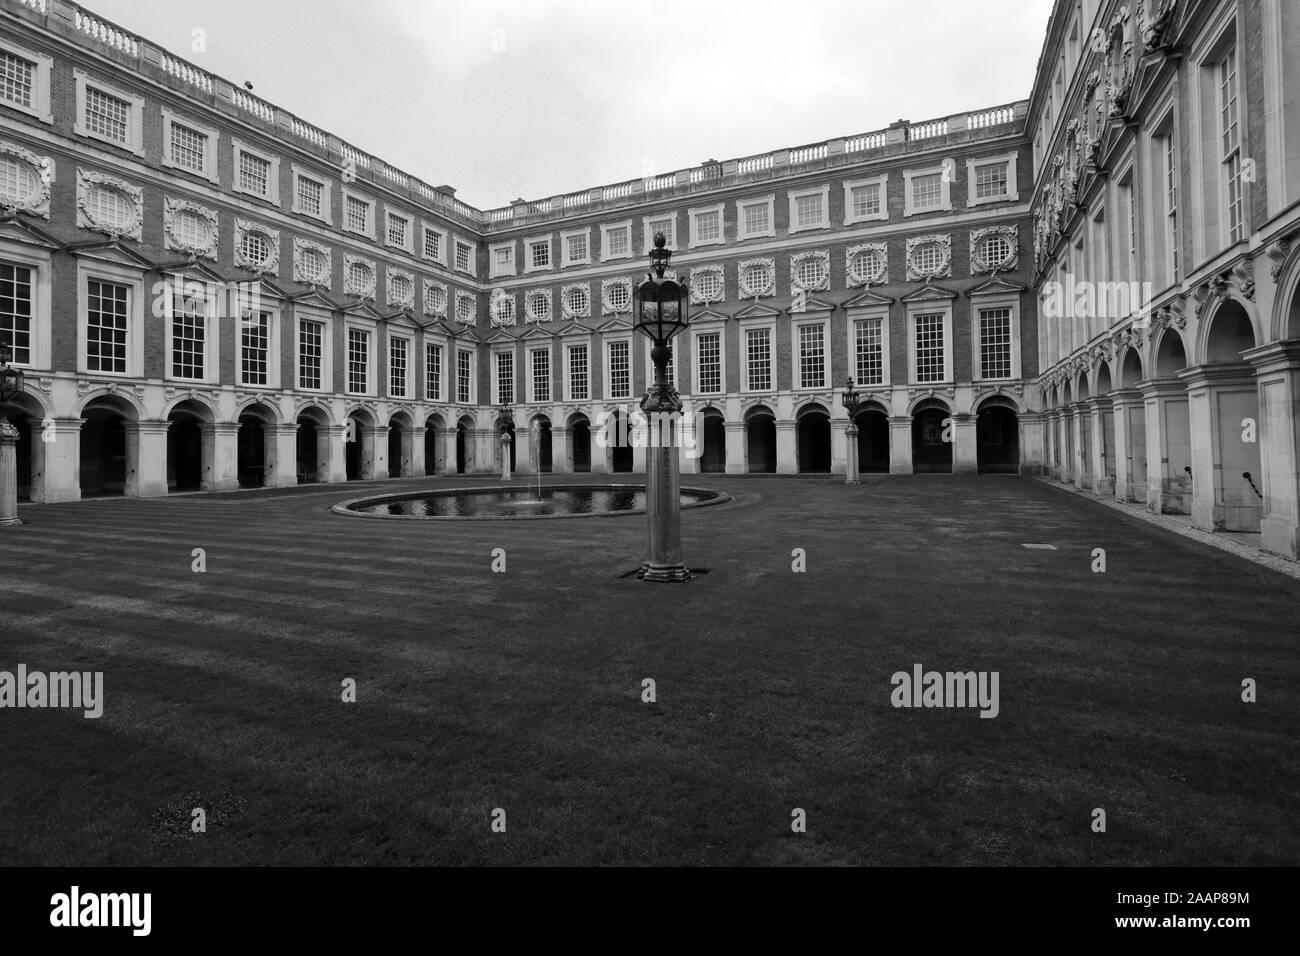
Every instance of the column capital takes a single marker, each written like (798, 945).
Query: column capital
(147, 427)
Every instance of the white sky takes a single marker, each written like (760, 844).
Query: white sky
(532, 99)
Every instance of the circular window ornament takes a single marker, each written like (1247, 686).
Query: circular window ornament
(360, 277)
(401, 288)
(756, 278)
(810, 273)
(503, 310)
(995, 250)
(110, 208)
(312, 265)
(255, 247)
(867, 266)
(192, 229)
(435, 300)
(619, 296)
(20, 183)
(928, 258)
(465, 308)
(576, 301)
(707, 285)
(539, 306)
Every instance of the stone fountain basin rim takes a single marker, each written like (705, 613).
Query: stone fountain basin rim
(711, 497)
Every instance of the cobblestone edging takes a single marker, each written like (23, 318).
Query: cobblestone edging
(1172, 523)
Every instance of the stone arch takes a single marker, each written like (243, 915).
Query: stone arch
(26, 412)
(312, 443)
(464, 444)
(712, 437)
(997, 435)
(1101, 379)
(401, 445)
(760, 439)
(435, 444)
(1229, 331)
(1130, 367)
(190, 450)
(125, 402)
(932, 439)
(255, 442)
(541, 442)
(1067, 393)
(1170, 354)
(872, 422)
(1082, 387)
(579, 452)
(107, 456)
(928, 401)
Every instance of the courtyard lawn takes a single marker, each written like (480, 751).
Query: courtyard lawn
(522, 690)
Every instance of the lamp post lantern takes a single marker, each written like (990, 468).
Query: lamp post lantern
(11, 384)
(504, 424)
(661, 313)
(851, 401)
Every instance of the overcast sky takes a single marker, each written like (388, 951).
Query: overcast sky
(505, 98)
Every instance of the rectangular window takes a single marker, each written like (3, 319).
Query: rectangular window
(310, 196)
(464, 375)
(503, 260)
(540, 255)
(505, 378)
(578, 388)
(107, 115)
(708, 350)
(866, 200)
(397, 227)
(656, 226)
(1170, 149)
(106, 326)
(929, 347)
(463, 253)
(990, 180)
(357, 217)
(254, 174)
(189, 331)
(576, 248)
(189, 148)
(311, 351)
(758, 359)
(995, 343)
(1230, 132)
(432, 372)
(541, 375)
(870, 358)
(812, 356)
(254, 348)
(397, 365)
(708, 226)
(757, 220)
(618, 240)
(927, 191)
(16, 311)
(808, 210)
(432, 244)
(17, 79)
(358, 361)
(620, 370)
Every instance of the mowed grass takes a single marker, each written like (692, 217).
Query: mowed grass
(522, 690)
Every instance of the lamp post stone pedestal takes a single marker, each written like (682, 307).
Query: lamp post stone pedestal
(505, 456)
(8, 474)
(851, 454)
(662, 307)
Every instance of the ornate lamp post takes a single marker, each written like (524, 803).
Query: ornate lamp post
(661, 312)
(850, 398)
(11, 384)
(504, 425)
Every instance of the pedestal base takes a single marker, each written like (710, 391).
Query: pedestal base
(9, 522)
(664, 573)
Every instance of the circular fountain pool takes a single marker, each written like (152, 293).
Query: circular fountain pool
(554, 501)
